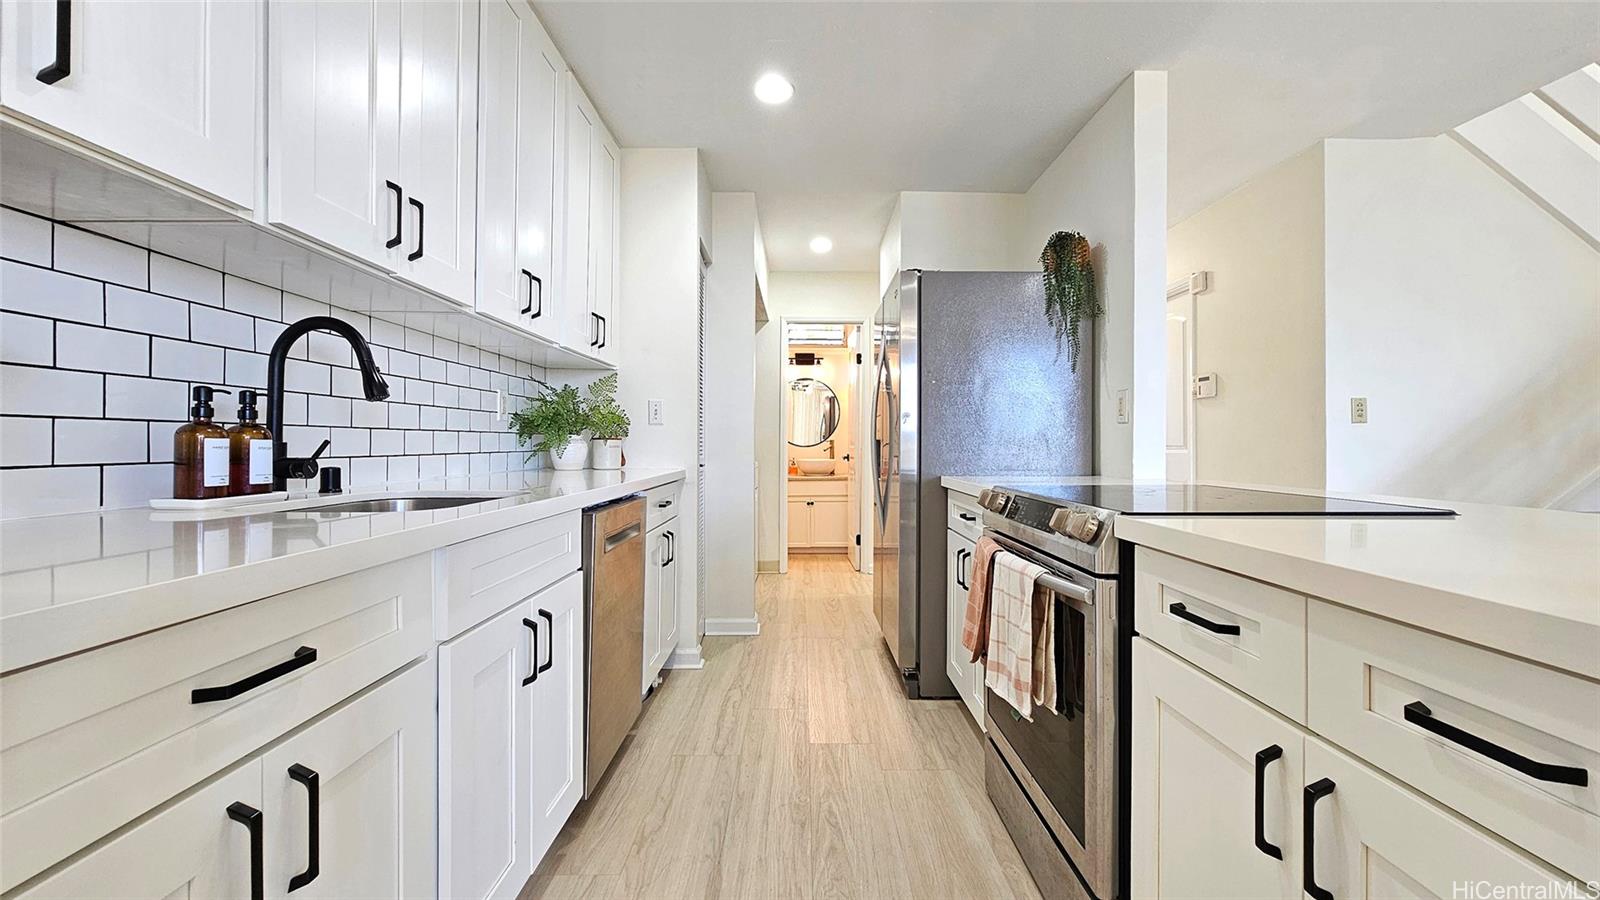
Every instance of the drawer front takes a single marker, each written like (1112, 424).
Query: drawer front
(661, 504)
(93, 740)
(480, 577)
(1386, 692)
(1250, 635)
(966, 516)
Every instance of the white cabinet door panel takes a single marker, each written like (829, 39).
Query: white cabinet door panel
(655, 562)
(963, 672)
(333, 101)
(668, 615)
(558, 713)
(581, 128)
(603, 223)
(830, 522)
(170, 86)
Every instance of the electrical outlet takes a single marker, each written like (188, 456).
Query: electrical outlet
(499, 403)
(653, 413)
(1122, 407)
(1358, 410)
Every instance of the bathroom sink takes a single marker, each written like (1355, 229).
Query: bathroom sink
(815, 466)
(401, 504)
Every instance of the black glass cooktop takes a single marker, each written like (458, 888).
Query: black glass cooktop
(1212, 500)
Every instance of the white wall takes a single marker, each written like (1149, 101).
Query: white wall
(1259, 327)
(1470, 319)
(1110, 183)
(829, 295)
(957, 231)
(889, 251)
(730, 413)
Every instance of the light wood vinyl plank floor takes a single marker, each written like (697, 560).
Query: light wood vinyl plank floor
(791, 767)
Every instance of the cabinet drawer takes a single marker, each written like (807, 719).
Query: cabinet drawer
(93, 740)
(966, 516)
(1366, 672)
(480, 577)
(661, 504)
(1250, 635)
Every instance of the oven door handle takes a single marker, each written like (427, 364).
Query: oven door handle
(1075, 595)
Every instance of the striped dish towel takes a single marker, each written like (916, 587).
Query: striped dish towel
(975, 628)
(1009, 670)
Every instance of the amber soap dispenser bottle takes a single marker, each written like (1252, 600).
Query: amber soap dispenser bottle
(200, 452)
(249, 451)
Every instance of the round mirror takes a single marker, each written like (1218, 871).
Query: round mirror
(813, 412)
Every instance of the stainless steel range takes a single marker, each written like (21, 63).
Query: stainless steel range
(1058, 780)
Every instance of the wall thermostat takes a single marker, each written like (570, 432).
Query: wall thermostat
(1205, 385)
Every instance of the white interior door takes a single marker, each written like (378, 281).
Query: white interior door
(370, 769)
(1180, 379)
(170, 86)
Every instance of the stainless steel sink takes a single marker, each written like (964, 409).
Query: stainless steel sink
(401, 504)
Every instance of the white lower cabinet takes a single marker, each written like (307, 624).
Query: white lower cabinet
(660, 600)
(965, 674)
(1197, 749)
(349, 802)
(510, 703)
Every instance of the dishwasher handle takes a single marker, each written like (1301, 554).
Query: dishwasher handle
(622, 535)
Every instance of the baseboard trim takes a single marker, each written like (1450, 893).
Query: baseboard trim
(686, 658)
(767, 566)
(739, 627)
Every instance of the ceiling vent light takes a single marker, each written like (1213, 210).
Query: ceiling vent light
(773, 89)
(821, 244)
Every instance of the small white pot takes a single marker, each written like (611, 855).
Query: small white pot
(606, 454)
(573, 456)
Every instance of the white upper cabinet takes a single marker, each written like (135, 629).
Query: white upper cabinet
(438, 143)
(519, 157)
(579, 328)
(604, 196)
(169, 86)
(373, 121)
(333, 155)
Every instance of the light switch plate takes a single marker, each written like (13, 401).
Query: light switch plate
(1122, 407)
(653, 412)
(1358, 410)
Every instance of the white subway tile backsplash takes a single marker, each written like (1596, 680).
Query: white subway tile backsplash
(26, 339)
(419, 442)
(458, 419)
(185, 280)
(25, 441)
(30, 289)
(267, 332)
(455, 465)
(368, 415)
(245, 369)
(29, 391)
(430, 467)
(129, 397)
(220, 327)
(48, 492)
(388, 442)
(387, 333)
(403, 468)
(419, 342)
(405, 364)
(145, 312)
(327, 348)
(432, 369)
(83, 441)
(294, 409)
(419, 391)
(296, 307)
(162, 439)
(101, 258)
(432, 418)
(321, 410)
(470, 442)
(404, 415)
(190, 362)
(367, 472)
(24, 237)
(303, 440)
(136, 485)
(101, 349)
(351, 442)
(445, 442)
(243, 295)
(308, 377)
(347, 382)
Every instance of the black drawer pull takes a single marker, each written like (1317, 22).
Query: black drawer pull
(399, 213)
(1418, 714)
(303, 657)
(312, 781)
(594, 322)
(250, 818)
(1263, 758)
(422, 230)
(663, 504)
(672, 549)
(1314, 792)
(967, 517)
(1182, 612)
(550, 638)
(61, 66)
(533, 658)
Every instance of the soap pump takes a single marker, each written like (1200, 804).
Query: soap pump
(200, 451)
(249, 451)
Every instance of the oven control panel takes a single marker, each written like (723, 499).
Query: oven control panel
(1076, 522)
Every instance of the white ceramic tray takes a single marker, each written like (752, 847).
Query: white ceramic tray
(217, 502)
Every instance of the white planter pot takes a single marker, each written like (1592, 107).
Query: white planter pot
(606, 454)
(573, 456)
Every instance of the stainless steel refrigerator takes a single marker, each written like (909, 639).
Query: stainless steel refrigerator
(969, 382)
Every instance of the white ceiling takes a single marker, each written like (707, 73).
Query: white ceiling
(982, 96)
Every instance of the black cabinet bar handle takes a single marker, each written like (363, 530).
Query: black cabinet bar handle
(965, 517)
(1314, 792)
(422, 229)
(250, 818)
(1263, 758)
(308, 777)
(550, 638)
(1182, 612)
(1418, 714)
(534, 308)
(672, 547)
(533, 663)
(666, 549)
(663, 504)
(61, 66)
(303, 657)
(605, 331)
(399, 213)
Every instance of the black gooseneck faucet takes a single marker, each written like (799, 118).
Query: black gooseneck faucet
(373, 386)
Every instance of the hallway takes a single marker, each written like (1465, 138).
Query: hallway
(792, 766)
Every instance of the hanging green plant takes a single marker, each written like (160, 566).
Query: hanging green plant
(1069, 295)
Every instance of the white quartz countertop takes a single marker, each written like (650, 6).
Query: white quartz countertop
(68, 583)
(1522, 581)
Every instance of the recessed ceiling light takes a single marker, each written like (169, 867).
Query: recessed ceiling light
(821, 244)
(773, 89)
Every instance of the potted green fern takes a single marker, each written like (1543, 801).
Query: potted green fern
(553, 423)
(608, 423)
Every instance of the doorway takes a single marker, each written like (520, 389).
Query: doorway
(823, 410)
(1181, 386)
